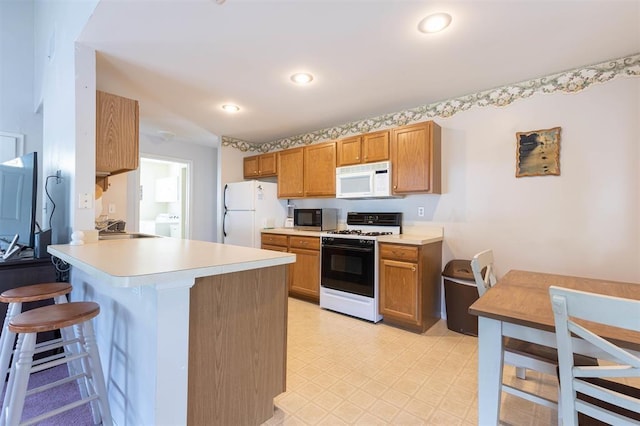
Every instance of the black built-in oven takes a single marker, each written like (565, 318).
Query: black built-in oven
(348, 265)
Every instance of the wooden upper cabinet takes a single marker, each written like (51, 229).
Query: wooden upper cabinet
(291, 173)
(415, 156)
(367, 148)
(375, 146)
(263, 165)
(320, 170)
(349, 151)
(250, 166)
(269, 164)
(117, 134)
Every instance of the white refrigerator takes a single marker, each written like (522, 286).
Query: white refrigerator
(250, 206)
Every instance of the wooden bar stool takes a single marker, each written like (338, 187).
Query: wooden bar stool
(26, 325)
(15, 298)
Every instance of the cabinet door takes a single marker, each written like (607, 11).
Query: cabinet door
(399, 291)
(320, 170)
(416, 160)
(251, 166)
(349, 151)
(291, 173)
(304, 275)
(375, 146)
(268, 165)
(117, 136)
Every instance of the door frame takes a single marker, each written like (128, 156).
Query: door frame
(134, 191)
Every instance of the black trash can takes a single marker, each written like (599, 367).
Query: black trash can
(460, 292)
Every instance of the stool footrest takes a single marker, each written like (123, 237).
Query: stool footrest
(57, 411)
(47, 359)
(54, 344)
(56, 362)
(56, 383)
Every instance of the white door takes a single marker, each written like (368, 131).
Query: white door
(240, 195)
(238, 228)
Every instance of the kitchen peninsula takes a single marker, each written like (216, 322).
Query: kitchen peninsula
(190, 332)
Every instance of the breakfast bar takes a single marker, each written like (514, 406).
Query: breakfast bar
(189, 332)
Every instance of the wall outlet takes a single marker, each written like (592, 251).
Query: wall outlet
(84, 200)
(112, 208)
(421, 211)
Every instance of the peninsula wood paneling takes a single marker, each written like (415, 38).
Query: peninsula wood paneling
(237, 347)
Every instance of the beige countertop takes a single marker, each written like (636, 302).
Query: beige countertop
(291, 231)
(414, 238)
(142, 261)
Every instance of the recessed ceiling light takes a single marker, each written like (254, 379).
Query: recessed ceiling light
(166, 135)
(434, 23)
(231, 108)
(301, 78)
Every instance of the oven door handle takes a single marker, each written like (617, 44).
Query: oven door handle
(347, 247)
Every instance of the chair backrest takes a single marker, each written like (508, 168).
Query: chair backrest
(611, 406)
(480, 261)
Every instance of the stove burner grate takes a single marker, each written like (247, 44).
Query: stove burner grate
(359, 232)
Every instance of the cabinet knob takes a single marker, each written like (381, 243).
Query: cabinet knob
(413, 269)
(357, 158)
(395, 186)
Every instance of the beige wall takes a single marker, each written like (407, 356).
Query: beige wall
(584, 222)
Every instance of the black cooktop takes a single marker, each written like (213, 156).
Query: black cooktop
(358, 232)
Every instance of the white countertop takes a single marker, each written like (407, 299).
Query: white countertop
(142, 261)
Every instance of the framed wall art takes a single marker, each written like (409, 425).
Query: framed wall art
(538, 153)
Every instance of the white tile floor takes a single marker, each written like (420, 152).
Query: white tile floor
(343, 370)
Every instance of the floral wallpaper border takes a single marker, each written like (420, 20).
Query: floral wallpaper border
(568, 81)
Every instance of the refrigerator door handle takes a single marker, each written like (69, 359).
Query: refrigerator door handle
(224, 197)
(224, 221)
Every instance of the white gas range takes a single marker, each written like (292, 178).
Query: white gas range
(349, 264)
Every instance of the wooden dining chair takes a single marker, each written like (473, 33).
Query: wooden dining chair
(519, 353)
(589, 390)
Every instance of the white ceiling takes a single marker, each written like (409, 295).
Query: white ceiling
(183, 59)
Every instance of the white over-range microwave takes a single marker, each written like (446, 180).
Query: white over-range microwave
(371, 180)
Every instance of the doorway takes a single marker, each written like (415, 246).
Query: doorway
(164, 196)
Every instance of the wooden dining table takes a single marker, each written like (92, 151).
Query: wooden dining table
(518, 306)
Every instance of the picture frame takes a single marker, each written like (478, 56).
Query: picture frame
(538, 152)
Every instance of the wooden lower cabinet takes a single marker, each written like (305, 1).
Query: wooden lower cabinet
(304, 275)
(410, 285)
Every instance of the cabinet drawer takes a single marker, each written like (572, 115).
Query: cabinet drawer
(395, 251)
(274, 248)
(274, 240)
(311, 243)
